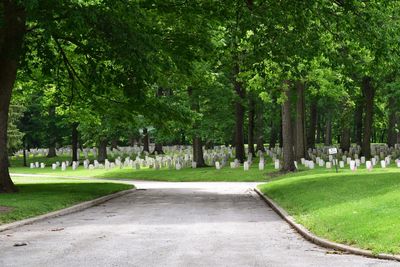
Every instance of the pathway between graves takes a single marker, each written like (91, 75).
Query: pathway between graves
(171, 224)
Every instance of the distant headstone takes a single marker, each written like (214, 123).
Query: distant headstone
(261, 165)
(353, 166)
(383, 164)
(246, 166)
(277, 164)
(368, 165)
(328, 165)
(341, 164)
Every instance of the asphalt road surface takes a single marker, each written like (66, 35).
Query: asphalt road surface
(171, 224)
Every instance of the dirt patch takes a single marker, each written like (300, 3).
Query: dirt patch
(5, 209)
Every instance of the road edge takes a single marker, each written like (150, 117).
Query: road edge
(69, 210)
(318, 240)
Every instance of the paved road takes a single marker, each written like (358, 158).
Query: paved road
(171, 224)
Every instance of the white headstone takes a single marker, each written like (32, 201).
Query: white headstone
(178, 166)
(54, 166)
(328, 165)
(383, 164)
(277, 164)
(246, 166)
(368, 165)
(63, 166)
(261, 165)
(311, 165)
(341, 164)
(353, 166)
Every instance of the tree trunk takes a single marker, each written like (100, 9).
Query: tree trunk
(345, 138)
(392, 134)
(368, 93)
(273, 138)
(114, 144)
(313, 124)
(328, 131)
(198, 156)
(288, 155)
(158, 147)
(358, 122)
(260, 126)
(52, 131)
(239, 117)
(24, 151)
(12, 33)
(74, 139)
(102, 150)
(300, 131)
(146, 140)
(251, 125)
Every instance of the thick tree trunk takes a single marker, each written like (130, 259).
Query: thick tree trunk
(251, 125)
(393, 120)
(260, 126)
(300, 120)
(239, 117)
(12, 31)
(146, 140)
(313, 124)
(198, 156)
(288, 155)
(102, 150)
(74, 139)
(368, 93)
(158, 147)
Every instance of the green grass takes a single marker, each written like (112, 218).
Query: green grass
(360, 209)
(164, 174)
(184, 175)
(38, 196)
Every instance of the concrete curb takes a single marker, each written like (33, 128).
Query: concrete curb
(72, 209)
(320, 241)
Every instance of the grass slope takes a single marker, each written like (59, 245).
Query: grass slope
(360, 209)
(38, 196)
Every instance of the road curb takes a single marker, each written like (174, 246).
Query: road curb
(72, 209)
(320, 241)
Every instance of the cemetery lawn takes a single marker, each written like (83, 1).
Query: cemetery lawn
(361, 209)
(210, 174)
(38, 196)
